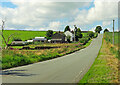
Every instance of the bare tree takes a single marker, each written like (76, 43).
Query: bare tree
(3, 37)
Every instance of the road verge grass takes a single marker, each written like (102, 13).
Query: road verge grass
(15, 58)
(104, 68)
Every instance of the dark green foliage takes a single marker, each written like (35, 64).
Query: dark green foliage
(67, 28)
(90, 34)
(106, 30)
(68, 38)
(98, 29)
(49, 33)
(17, 39)
(79, 33)
(95, 35)
(84, 40)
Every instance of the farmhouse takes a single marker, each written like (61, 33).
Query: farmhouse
(40, 39)
(70, 34)
(17, 42)
(58, 38)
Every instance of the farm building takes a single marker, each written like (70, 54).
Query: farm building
(39, 39)
(29, 41)
(70, 34)
(17, 42)
(58, 38)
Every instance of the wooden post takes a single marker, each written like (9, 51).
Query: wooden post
(74, 33)
(113, 33)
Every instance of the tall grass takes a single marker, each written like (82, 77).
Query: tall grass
(14, 58)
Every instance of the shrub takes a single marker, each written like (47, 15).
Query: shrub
(95, 35)
(17, 39)
(90, 34)
(84, 40)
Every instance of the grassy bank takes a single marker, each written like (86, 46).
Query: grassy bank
(105, 66)
(14, 58)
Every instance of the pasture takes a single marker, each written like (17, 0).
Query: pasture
(23, 35)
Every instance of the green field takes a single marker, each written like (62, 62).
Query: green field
(104, 68)
(24, 35)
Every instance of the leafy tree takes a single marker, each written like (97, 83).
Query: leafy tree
(79, 33)
(68, 38)
(98, 29)
(67, 28)
(49, 33)
(106, 30)
(91, 34)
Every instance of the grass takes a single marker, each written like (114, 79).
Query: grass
(109, 37)
(24, 35)
(105, 66)
(16, 57)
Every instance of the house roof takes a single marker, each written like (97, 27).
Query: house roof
(40, 38)
(18, 42)
(58, 36)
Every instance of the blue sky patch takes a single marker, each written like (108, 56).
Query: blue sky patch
(8, 5)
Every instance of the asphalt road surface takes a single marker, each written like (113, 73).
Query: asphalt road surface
(67, 69)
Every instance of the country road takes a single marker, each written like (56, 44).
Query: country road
(67, 69)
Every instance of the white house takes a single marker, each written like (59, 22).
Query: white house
(42, 39)
(68, 33)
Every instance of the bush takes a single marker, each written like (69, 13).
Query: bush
(84, 40)
(91, 34)
(95, 35)
(17, 39)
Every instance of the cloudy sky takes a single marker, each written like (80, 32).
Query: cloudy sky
(51, 15)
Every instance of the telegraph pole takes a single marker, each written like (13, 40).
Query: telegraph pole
(113, 33)
(74, 33)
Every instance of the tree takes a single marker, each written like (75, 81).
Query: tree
(106, 30)
(91, 34)
(67, 28)
(98, 29)
(79, 33)
(49, 34)
(68, 38)
(2, 34)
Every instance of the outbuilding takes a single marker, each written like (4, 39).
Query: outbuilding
(39, 39)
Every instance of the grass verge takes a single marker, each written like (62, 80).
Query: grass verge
(14, 58)
(104, 68)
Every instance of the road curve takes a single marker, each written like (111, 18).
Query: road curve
(66, 69)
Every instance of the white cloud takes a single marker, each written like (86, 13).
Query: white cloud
(38, 14)
(54, 25)
(52, 15)
(102, 11)
(106, 23)
(93, 29)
